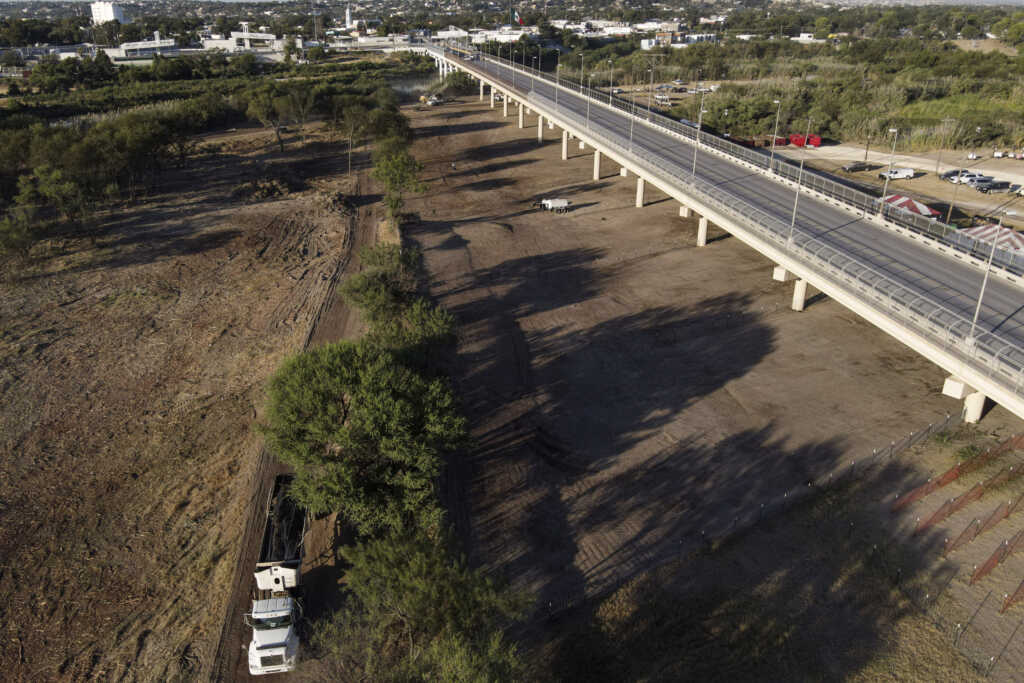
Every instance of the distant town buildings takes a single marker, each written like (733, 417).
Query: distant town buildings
(102, 12)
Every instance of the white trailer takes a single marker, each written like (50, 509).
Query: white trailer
(276, 610)
(556, 205)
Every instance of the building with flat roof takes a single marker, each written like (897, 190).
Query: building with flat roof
(102, 12)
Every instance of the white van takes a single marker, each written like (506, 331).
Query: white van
(897, 174)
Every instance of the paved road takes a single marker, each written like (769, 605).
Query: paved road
(943, 280)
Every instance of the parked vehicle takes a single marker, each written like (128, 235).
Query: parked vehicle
(998, 154)
(965, 177)
(972, 156)
(856, 166)
(662, 99)
(993, 186)
(276, 610)
(555, 205)
(897, 174)
(978, 180)
(949, 176)
(617, 91)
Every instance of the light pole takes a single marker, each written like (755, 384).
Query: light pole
(696, 142)
(581, 71)
(799, 182)
(534, 60)
(938, 158)
(984, 282)
(558, 66)
(611, 75)
(892, 155)
(512, 58)
(590, 79)
(650, 91)
(778, 112)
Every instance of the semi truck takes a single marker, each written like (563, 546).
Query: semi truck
(276, 608)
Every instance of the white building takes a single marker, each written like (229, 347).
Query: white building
(143, 48)
(247, 41)
(102, 12)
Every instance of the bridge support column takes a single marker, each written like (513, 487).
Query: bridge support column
(597, 164)
(702, 232)
(780, 274)
(624, 172)
(565, 145)
(521, 108)
(481, 90)
(974, 406)
(639, 192)
(540, 129)
(492, 98)
(551, 124)
(504, 106)
(799, 295)
(582, 145)
(684, 211)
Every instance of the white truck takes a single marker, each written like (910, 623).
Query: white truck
(276, 610)
(897, 174)
(556, 205)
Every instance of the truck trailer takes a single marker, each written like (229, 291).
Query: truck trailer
(276, 609)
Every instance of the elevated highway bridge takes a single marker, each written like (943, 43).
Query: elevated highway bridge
(919, 289)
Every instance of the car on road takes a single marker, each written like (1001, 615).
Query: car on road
(993, 186)
(855, 166)
(617, 91)
(897, 174)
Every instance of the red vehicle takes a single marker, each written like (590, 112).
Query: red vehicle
(814, 140)
(797, 140)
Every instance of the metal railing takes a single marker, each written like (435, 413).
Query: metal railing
(990, 354)
(1007, 259)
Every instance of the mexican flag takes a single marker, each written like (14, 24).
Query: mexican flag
(519, 19)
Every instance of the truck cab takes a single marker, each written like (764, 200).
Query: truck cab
(275, 643)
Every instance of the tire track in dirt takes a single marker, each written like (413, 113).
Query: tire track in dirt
(333, 321)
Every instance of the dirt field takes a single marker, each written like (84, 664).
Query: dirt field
(630, 394)
(132, 373)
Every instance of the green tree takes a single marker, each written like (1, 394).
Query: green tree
(354, 120)
(364, 433)
(271, 111)
(300, 105)
(396, 168)
(416, 612)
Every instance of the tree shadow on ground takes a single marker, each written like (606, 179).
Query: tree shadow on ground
(455, 128)
(808, 594)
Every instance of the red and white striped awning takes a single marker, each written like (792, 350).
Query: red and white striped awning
(911, 205)
(1005, 238)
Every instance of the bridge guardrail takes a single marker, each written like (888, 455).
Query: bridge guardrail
(991, 355)
(932, 229)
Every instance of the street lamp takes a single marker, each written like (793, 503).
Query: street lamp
(778, 112)
(696, 142)
(512, 58)
(984, 282)
(892, 155)
(799, 182)
(581, 71)
(611, 75)
(590, 79)
(534, 60)
(558, 67)
(650, 91)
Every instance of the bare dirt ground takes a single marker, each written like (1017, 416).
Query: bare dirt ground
(133, 366)
(631, 395)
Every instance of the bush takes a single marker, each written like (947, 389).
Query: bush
(416, 612)
(365, 435)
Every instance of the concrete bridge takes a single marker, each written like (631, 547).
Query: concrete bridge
(922, 291)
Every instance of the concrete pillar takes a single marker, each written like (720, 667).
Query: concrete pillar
(492, 98)
(624, 172)
(684, 211)
(597, 164)
(521, 108)
(702, 232)
(954, 387)
(551, 124)
(481, 90)
(799, 295)
(582, 145)
(540, 129)
(504, 105)
(974, 404)
(565, 145)
(639, 192)
(780, 274)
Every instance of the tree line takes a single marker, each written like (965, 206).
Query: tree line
(367, 426)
